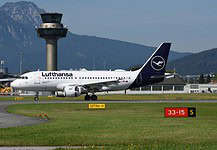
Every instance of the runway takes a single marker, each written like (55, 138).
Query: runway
(13, 120)
(104, 101)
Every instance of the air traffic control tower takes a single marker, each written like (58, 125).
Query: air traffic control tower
(51, 30)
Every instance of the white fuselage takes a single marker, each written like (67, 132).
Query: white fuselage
(57, 80)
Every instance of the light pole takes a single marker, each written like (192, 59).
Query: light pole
(2, 64)
(21, 62)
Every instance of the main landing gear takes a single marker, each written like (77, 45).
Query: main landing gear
(36, 98)
(93, 97)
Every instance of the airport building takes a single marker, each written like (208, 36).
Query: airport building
(201, 88)
(5, 85)
(173, 84)
(170, 85)
(51, 30)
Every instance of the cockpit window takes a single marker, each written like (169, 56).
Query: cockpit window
(23, 77)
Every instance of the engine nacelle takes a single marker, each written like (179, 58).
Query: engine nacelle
(60, 94)
(70, 91)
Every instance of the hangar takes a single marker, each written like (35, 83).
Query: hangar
(170, 85)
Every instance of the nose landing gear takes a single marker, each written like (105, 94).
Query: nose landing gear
(36, 98)
(87, 97)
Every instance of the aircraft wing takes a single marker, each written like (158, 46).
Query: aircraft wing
(7, 79)
(99, 85)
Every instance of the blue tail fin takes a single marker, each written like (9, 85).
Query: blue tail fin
(154, 69)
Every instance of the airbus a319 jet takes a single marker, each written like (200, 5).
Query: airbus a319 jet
(76, 83)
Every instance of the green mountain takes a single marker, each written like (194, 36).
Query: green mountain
(200, 63)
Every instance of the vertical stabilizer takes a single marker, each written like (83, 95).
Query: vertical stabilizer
(154, 69)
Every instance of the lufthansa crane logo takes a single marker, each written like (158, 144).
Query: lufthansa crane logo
(157, 63)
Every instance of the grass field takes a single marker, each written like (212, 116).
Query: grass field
(207, 96)
(119, 126)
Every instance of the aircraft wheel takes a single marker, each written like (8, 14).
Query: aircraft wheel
(87, 97)
(36, 99)
(93, 97)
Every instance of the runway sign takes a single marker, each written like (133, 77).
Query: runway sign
(96, 106)
(18, 98)
(179, 112)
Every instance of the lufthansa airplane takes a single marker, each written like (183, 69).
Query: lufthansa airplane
(76, 83)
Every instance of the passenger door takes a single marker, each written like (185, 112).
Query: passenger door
(37, 78)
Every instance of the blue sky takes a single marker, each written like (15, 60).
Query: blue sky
(191, 25)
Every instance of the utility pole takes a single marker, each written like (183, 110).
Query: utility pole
(2, 64)
(21, 61)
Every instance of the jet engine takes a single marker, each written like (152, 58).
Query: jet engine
(70, 91)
